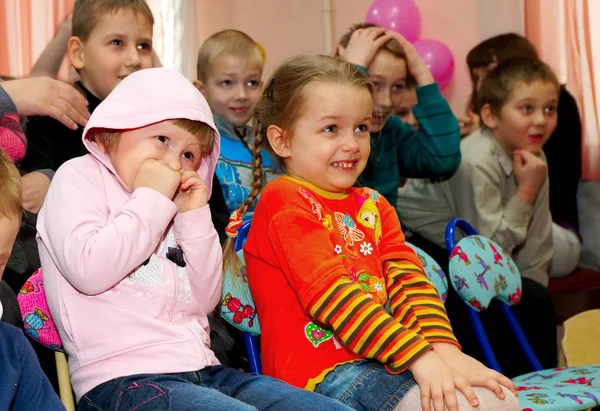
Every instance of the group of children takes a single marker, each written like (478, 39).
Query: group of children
(132, 224)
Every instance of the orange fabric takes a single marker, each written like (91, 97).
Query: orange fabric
(306, 245)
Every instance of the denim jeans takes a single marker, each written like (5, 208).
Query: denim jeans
(366, 385)
(212, 388)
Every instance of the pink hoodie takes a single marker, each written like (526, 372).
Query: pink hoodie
(120, 305)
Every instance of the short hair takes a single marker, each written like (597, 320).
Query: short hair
(499, 83)
(10, 188)
(205, 135)
(500, 48)
(87, 12)
(228, 43)
(391, 46)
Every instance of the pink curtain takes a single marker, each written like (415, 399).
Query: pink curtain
(26, 27)
(567, 34)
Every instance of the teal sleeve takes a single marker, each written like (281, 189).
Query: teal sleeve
(434, 150)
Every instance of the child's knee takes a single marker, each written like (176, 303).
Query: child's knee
(489, 402)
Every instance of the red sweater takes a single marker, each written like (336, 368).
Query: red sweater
(321, 267)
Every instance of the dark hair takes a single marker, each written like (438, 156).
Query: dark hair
(498, 84)
(497, 49)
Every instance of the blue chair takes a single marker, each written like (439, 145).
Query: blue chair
(249, 339)
(479, 272)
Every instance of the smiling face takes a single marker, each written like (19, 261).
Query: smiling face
(118, 45)
(232, 88)
(388, 75)
(162, 141)
(527, 119)
(329, 143)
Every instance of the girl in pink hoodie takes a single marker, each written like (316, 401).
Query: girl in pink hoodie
(132, 262)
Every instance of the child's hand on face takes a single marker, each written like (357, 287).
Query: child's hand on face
(192, 193)
(414, 62)
(438, 382)
(530, 173)
(158, 176)
(364, 45)
(477, 374)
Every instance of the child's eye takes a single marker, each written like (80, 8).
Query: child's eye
(145, 46)
(362, 128)
(330, 129)
(188, 156)
(253, 83)
(162, 139)
(398, 87)
(551, 109)
(226, 83)
(527, 108)
(116, 42)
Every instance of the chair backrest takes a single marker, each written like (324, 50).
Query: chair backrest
(236, 305)
(480, 271)
(433, 270)
(36, 314)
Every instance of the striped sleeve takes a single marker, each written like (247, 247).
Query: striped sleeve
(366, 328)
(415, 303)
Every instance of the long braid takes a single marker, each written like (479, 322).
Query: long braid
(231, 262)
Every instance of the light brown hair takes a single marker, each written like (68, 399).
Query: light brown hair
(499, 83)
(282, 102)
(109, 138)
(86, 13)
(391, 46)
(226, 43)
(10, 188)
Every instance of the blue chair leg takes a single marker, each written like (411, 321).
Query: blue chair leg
(252, 351)
(518, 331)
(490, 358)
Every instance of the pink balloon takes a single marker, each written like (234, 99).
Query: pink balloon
(401, 16)
(438, 58)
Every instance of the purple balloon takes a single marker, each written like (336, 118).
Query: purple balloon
(401, 16)
(438, 58)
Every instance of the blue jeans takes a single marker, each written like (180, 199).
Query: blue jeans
(212, 388)
(366, 385)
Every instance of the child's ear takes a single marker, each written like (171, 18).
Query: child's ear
(339, 50)
(199, 85)
(75, 52)
(488, 117)
(279, 142)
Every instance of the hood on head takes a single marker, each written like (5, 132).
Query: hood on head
(147, 97)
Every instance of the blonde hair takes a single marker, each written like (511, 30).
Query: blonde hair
(232, 43)
(282, 103)
(86, 13)
(10, 188)
(109, 138)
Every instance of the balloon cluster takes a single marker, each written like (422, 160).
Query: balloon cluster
(402, 16)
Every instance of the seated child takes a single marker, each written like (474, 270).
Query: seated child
(501, 186)
(324, 259)
(111, 39)
(132, 263)
(229, 73)
(562, 148)
(397, 149)
(23, 384)
(405, 109)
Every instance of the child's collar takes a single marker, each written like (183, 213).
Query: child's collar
(323, 193)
